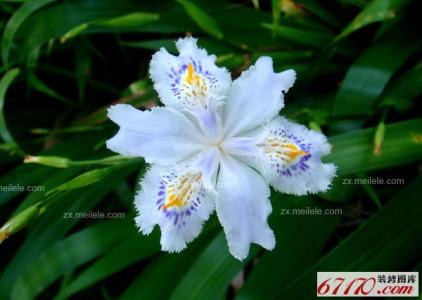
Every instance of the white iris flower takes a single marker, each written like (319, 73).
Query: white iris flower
(217, 145)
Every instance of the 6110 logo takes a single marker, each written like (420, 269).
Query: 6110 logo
(367, 284)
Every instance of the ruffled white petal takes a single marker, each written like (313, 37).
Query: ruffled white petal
(161, 135)
(290, 158)
(256, 97)
(177, 201)
(243, 207)
(190, 81)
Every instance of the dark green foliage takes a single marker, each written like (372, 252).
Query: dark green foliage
(64, 62)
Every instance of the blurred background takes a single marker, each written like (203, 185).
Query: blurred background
(66, 201)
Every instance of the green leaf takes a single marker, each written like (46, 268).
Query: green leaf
(51, 161)
(63, 162)
(141, 97)
(83, 180)
(40, 86)
(18, 222)
(83, 63)
(322, 12)
(15, 22)
(36, 174)
(49, 182)
(312, 38)
(133, 20)
(67, 254)
(203, 19)
(22, 218)
(51, 225)
(129, 251)
(367, 77)
(33, 176)
(90, 177)
(276, 10)
(64, 74)
(375, 11)
(212, 45)
(32, 59)
(75, 31)
(65, 16)
(353, 152)
(211, 274)
(370, 191)
(168, 44)
(399, 93)
(285, 57)
(167, 268)
(5, 82)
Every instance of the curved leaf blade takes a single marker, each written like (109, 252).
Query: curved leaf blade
(5, 82)
(203, 19)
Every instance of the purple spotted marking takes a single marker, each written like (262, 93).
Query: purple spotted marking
(177, 215)
(176, 74)
(299, 167)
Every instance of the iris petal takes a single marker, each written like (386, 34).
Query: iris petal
(161, 135)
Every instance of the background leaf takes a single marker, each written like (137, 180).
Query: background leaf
(5, 82)
(203, 19)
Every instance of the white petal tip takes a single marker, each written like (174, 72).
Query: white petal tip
(144, 228)
(112, 145)
(264, 61)
(287, 78)
(239, 255)
(173, 246)
(186, 42)
(267, 241)
(172, 250)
